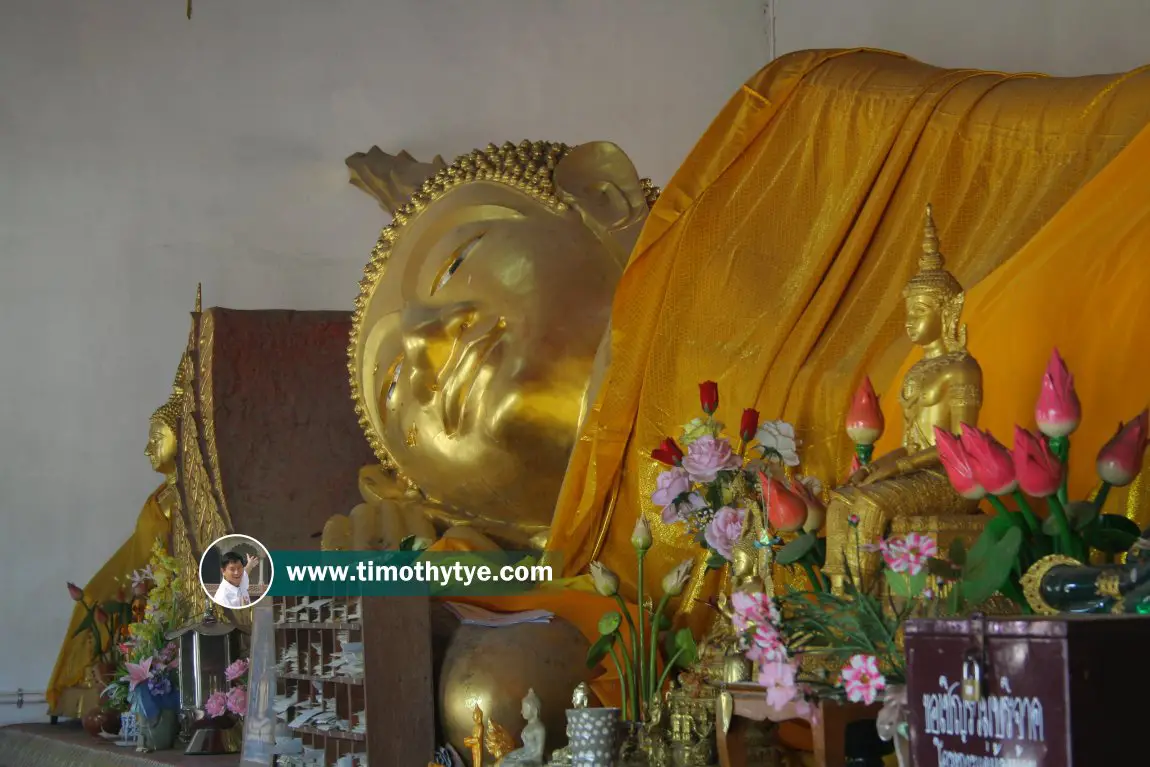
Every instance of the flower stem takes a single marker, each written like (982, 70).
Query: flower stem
(1064, 536)
(642, 679)
(1100, 496)
(635, 649)
(1028, 513)
(626, 688)
(816, 581)
(667, 670)
(1000, 507)
(655, 645)
(1060, 446)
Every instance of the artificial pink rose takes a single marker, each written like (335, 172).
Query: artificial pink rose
(707, 456)
(216, 705)
(236, 670)
(237, 701)
(724, 530)
(669, 485)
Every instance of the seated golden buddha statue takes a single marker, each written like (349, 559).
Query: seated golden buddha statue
(942, 389)
(65, 693)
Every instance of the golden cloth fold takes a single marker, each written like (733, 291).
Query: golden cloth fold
(774, 261)
(1081, 284)
(76, 653)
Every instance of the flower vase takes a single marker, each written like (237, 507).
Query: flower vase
(893, 724)
(160, 731)
(594, 736)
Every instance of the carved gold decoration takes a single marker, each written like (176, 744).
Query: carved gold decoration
(498, 741)
(207, 411)
(944, 390)
(473, 388)
(1107, 584)
(1032, 581)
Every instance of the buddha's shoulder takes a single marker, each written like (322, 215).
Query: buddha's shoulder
(962, 363)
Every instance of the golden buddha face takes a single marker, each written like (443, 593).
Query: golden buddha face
(923, 320)
(482, 333)
(161, 447)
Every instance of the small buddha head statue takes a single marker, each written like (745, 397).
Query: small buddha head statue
(164, 424)
(531, 706)
(934, 298)
(162, 427)
(481, 314)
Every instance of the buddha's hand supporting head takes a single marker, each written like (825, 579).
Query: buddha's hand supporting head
(481, 315)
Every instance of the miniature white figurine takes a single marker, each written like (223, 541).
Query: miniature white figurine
(533, 736)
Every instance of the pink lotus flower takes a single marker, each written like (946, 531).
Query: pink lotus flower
(236, 670)
(778, 678)
(1058, 411)
(707, 456)
(724, 530)
(1039, 472)
(237, 700)
(865, 422)
(991, 463)
(75, 592)
(806, 488)
(216, 704)
(138, 673)
(957, 464)
(1120, 459)
(669, 485)
(861, 679)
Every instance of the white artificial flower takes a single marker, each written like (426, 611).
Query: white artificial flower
(779, 437)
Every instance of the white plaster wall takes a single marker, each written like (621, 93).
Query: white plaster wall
(1058, 37)
(141, 152)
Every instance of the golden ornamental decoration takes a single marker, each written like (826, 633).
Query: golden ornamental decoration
(1032, 581)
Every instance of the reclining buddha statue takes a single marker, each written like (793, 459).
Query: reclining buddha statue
(943, 389)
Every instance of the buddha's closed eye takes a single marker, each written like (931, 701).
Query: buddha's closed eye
(452, 265)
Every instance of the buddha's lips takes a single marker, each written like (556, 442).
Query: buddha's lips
(458, 380)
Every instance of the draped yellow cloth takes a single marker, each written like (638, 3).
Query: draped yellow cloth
(774, 261)
(76, 653)
(1080, 284)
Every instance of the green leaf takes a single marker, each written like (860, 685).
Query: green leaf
(986, 575)
(85, 625)
(599, 650)
(994, 531)
(957, 552)
(716, 561)
(1111, 534)
(664, 623)
(820, 553)
(796, 549)
(681, 641)
(941, 568)
(905, 585)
